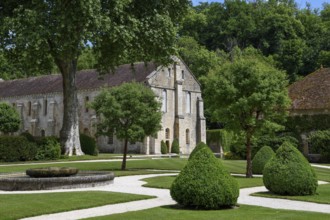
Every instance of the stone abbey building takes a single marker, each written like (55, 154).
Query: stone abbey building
(39, 101)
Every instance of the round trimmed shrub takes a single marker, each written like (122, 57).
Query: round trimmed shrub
(175, 147)
(88, 145)
(289, 173)
(261, 158)
(16, 148)
(163, 147)
(204, 183)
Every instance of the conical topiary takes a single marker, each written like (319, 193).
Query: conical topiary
(163, 147)
(204, 183)
(261, 158)
(196, 149)
(289, 173)
(175, 147)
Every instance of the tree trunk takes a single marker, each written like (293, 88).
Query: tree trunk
(123, 165)
(70, 130)
(248, 157)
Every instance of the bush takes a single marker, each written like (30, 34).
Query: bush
(275, 141)
(175, 147)
(163, 147)
(9, 118)
(261, 158)
(88, 145)
(289, 173)
(49, 148)
(319, 142)
(204, 183)
(16, 148)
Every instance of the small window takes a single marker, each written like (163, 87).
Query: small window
(182, 74)
(29, 108)
(187, 136)
(86, 131)
(188, 103)
(45, 106)
(169, 72)
(167, 133)
(110, 138)
(164, 101)
(14, 104)
(43, 133)
(86, 103)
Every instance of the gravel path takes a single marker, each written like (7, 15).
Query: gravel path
(133, 184)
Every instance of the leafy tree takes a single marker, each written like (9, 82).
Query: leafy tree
(247, 95)
(130, 110)
(38, 33)
(9, 118)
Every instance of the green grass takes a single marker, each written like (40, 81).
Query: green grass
(322, 174)
(165, 182)
(15, 206)
(322, 195)
(244, 212)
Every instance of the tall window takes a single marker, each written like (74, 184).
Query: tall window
(169, 72)
(182, 74)
(29, 108)
(187, 136)
(167, 133)
(45, 106)
(86, 103)
(188, 102)
(110, 138)
(164, 101)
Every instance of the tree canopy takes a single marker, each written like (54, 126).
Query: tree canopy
(247, 95)
(130, 110)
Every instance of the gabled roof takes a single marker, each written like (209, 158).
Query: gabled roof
(85, 80)
(312, 92)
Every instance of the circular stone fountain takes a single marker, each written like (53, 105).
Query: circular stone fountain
(54, 178)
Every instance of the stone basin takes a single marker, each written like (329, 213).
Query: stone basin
(83, 179)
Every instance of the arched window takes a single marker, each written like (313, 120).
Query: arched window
(188, 102)
(29, 108)
(169, 72)
(86, 103)
(110, 138)
(45, 106)
(167, 133)
(182, 74)
(187, 136)
(164, 101)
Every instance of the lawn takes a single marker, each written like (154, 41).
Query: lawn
(165, 182)
(243, 212)
(16, 206)
(322, 196)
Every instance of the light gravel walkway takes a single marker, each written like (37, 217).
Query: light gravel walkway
(320, 166)
(133, 184)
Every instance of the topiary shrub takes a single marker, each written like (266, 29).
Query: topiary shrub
(175, 147)
(319, 142)
(16, 148)
(88, 145)
(289, 173)
(204, 183)
(163, 147)
(49, 148)
(261, 158)
(199, 146)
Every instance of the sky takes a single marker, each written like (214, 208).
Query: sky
(301, 3)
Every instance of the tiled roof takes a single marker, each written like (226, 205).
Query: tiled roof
(85, 79)
(312, 92)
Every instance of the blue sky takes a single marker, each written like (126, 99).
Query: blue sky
(301, 3)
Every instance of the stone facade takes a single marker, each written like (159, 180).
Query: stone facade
(40, 103)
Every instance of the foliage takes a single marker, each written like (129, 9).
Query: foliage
(88, 145)
(319, 142)
(163, 147)
(175, 148)
(306, 123)
(130, 110)
(247, 95)
(274, 141)
(204, 183)
(49, 148)
(16, 148)
(261, 158)
(198, 147)
(220, 136)
(9, 118)
(289, 173)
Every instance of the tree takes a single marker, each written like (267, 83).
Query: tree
(247, 95)
(130, 110)
(9, 118)
(40, 32)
